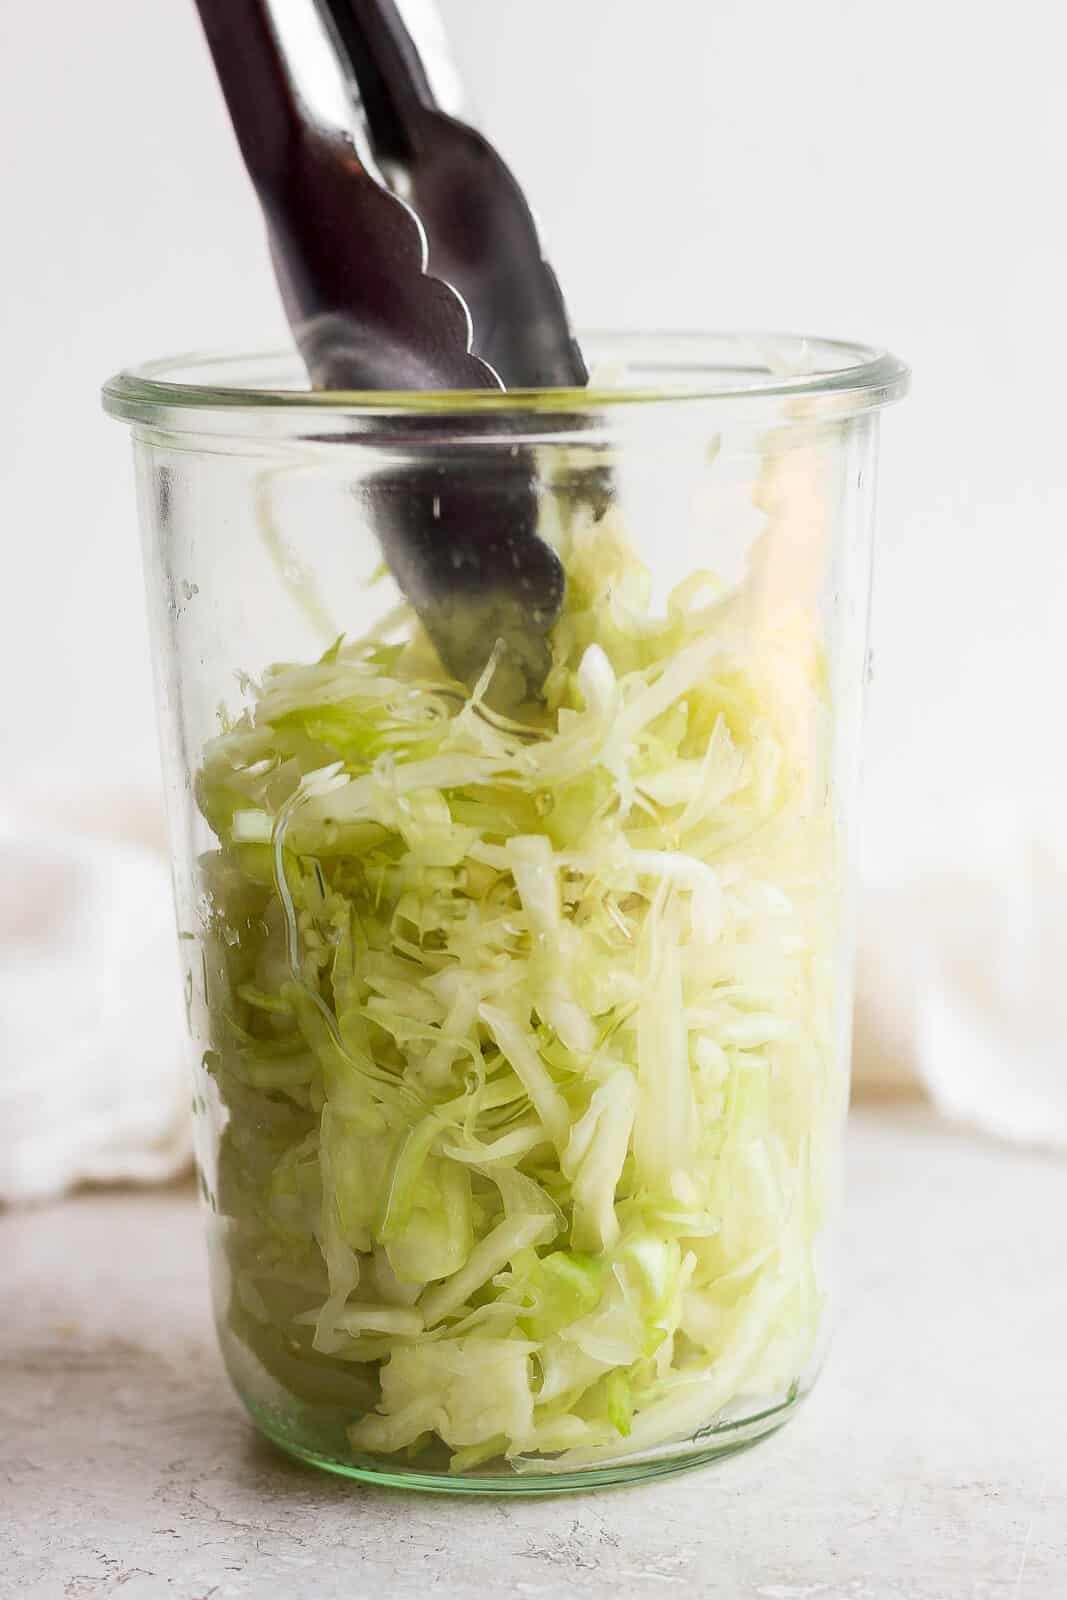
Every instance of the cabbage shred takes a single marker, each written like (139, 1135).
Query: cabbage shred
(524, 1029)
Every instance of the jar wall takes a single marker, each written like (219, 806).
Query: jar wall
(521, 1030)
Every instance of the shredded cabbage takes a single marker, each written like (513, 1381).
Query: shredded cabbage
(525, 1030)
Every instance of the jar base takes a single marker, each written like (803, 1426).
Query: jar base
(725, 1439)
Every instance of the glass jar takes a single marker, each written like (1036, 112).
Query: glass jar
(515, 905)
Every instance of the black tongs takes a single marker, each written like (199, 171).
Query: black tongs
(480, 231)
(408, 259)
(407, 254)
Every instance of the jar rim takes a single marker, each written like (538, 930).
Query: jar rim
(629, 370)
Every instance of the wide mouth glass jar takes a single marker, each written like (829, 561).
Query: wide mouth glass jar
(515, 928)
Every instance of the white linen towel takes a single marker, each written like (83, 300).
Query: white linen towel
(962, 981)
(93, 1080)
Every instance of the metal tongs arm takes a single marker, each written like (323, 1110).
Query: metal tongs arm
(482, 235)
(350, 257)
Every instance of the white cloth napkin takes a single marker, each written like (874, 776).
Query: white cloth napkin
(962, 982)
(93, 1084)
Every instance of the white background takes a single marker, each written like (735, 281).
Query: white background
(896, 173)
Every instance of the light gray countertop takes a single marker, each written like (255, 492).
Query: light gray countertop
(930, 1464)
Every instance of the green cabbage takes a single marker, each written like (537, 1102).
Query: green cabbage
(524, 1027)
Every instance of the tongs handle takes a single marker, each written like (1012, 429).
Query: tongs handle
(388, 76)
(350, 257)
(482, 235)
(259, 95)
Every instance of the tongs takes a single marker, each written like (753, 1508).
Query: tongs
(408, 259)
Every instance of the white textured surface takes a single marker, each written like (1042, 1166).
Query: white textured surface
(931, 1463)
